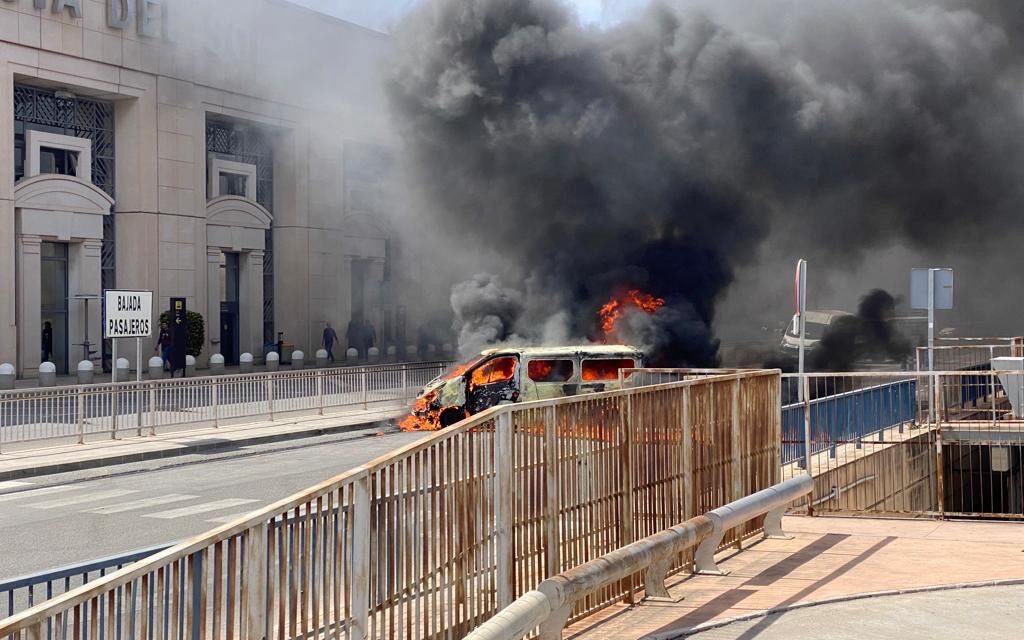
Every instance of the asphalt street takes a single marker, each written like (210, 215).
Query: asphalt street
(53, 521)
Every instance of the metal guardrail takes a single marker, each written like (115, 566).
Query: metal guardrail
(78, 413)
(18, 594)
(551, 604)
(434, 538)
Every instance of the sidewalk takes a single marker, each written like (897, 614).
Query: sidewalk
(828, 560)
(20, 464)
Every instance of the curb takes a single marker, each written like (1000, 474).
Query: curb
(718, 624)
(210, 445)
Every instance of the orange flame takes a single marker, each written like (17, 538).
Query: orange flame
(614, 309)
(424, 416)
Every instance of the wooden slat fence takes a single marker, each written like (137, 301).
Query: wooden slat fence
(431, 540)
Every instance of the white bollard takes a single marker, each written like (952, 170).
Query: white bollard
(156, 368)
(321, 358)
(85, 372)
(273, 361)
(216, 365)
(190, 366)
(7, 375)
(298, 360)
(123, 370)
(47, 374)
(352, 356)
(448, 351)
(373, 355)
(392, 353)
(431, 353)
(245, 363)
(410, 353)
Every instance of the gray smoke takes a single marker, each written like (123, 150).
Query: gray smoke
(662, 153)
(486, 312)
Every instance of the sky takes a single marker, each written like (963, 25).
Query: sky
(382, 14)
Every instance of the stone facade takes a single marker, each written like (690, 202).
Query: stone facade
(308, 84)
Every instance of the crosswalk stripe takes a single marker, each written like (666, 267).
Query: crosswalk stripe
(199, 508)
(227, 519)
(141, 503)
(13, 484)
(80, 498)
(20, 495)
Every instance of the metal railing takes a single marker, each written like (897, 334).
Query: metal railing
(81, 413)
(550, 605)
(434, 538)
(18, 594)
(943, 444)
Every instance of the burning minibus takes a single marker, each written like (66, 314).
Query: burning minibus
(514, 374)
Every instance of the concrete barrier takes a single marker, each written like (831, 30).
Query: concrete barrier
(190, 366)
(245, 363)
(7, 376)
(124, 371)
(411, 353)
(216, 365)
(273, 361)
(47, 374)
(392, 353)
(298, 360)
(321, 358)
(85, 372)
(156, 368)
(373, 355)
(351, 356)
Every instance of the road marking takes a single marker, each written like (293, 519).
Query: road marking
(13, 484)
(80, 498)
(231, 518)
(141, 504)
(199, 508)
(37, 492)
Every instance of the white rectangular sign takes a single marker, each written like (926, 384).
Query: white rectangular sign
(127, 314)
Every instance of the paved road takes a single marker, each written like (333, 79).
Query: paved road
(985, 612)
(57, 520)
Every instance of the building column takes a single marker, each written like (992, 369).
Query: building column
(213, 298)
(250, 308)
(29, 301)
(85, 263)
(9, 246)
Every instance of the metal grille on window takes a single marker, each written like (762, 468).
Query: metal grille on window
(250, 144)
(43, 110)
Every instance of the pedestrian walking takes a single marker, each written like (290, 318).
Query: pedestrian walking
(163, 345)
(330, 337)
(47, 341)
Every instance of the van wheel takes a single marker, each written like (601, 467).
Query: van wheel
(451, 416)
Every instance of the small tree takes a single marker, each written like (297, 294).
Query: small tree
(196, 336)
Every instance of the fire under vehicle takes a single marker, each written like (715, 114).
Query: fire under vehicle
(502, 376)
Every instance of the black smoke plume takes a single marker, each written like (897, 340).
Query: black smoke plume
(868, 337)
(661, 153)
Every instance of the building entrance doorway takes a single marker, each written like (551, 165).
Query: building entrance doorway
(229, 307)
(54, 305)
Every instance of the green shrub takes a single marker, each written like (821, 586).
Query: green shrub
(196, 336)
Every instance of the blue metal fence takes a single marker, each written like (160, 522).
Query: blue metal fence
(846, 417)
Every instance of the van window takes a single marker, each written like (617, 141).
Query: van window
(605, 369)
(498, 370)
(549, 370)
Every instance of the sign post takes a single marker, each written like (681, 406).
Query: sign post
(931, 289)
(127, 314)
(179, 335)
(800, 302)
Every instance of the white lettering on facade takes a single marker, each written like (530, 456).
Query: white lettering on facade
(120, 13)
(74, 5)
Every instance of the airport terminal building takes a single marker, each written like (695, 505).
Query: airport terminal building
(231, 152)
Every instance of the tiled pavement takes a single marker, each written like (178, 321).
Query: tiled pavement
(827, 558)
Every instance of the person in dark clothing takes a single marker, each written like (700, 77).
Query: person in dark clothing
(354, 334)
(47, 341)
(330, 337)
(368, 338)
(163, 345)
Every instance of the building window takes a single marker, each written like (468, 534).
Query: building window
(60, 161)
(81, 119)
(248, 144)
(229, 178)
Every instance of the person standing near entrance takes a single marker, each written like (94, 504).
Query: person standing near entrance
(330, 337)
(163, 345)
(47, 341)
